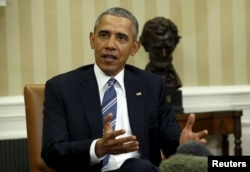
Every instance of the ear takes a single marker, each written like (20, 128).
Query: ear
(91, 39)
(135, 48)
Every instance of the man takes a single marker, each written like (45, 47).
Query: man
(76, 137)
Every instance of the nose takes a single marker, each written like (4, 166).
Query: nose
(111, 43)
(164, 52)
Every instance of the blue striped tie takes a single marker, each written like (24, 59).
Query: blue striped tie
(109, 105)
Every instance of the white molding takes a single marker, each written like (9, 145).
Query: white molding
(12, 118)
(245, 123)
(195, 99)
(199, 99)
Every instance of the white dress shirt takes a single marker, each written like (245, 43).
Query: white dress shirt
(122, 120)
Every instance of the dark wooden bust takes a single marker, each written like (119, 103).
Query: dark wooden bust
(159, 38)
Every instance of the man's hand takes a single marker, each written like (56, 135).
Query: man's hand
(109, 144)
(188, 135)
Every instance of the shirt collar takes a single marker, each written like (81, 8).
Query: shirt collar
(102, 78)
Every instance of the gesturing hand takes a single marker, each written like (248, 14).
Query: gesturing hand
(110, 144)
(188, 135)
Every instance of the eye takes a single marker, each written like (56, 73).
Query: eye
(157, 49)
(122, 37)
(103, 34)
(169, 45)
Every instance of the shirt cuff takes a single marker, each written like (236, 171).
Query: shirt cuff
(93, 158)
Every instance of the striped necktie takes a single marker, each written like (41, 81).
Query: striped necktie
(109, 105)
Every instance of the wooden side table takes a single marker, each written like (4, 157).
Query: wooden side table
(218, 123)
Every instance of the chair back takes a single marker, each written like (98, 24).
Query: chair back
(33, 100)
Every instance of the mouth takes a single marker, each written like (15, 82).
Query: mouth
(109, 58)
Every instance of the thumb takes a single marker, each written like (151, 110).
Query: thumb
(190, 122)
(107, 122)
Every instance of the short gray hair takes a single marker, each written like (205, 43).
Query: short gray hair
(120, 12)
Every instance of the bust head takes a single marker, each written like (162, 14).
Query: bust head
(159, 38)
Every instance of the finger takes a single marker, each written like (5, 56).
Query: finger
(114, 134)
(125, 145)
(121, 143)
(190, 122)
(107, 122)
(108, 118)
(125, 148)
(203, 141)
(130, 146)
(203, 134)
(125, 140)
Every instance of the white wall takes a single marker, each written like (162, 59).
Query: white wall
(195, 99)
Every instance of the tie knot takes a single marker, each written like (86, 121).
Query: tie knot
(111, 82)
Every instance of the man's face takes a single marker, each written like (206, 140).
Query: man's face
(113, 43)
(160, 47)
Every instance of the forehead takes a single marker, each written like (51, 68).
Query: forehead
(161, 38)
(115, 24)
(168, 35)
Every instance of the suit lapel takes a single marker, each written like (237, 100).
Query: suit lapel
(90, 99)
(135, 93)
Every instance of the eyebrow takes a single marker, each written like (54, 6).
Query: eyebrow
(124, 35)
(103, 31)
(119, 33)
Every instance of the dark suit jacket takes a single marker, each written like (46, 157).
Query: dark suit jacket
(72, 118)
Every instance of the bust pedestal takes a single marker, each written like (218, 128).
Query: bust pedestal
(174, 99)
